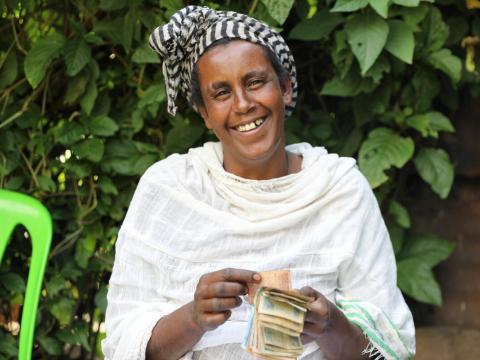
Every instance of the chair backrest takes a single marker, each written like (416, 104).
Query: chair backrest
(19, 209)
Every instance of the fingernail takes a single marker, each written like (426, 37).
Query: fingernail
(257, 277)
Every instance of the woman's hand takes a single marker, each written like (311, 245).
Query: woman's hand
(217, 293)
(336, 336)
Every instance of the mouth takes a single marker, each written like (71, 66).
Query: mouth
(250, 126)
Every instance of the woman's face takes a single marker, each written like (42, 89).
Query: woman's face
(244, 102)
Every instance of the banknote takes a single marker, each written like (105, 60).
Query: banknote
(278, 279)
(276, 323)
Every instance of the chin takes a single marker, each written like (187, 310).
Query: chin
(259, 151)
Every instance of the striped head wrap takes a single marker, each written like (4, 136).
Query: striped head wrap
(193, 29)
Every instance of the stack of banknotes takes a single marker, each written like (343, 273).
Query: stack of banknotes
(276, 323)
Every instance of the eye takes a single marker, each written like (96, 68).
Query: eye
(254, 83)
(220, 94)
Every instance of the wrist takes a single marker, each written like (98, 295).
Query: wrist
(341, 338)
(193, 326)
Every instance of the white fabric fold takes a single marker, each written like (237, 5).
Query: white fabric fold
(189, 217)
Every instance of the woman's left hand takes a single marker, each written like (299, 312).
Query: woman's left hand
(325, 324)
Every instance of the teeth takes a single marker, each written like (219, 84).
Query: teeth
(250, 126)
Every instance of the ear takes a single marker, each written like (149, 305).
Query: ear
(286, 86)
(204, 114)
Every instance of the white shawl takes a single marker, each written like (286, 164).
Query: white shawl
(189, 217)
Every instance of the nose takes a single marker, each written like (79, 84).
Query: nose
(243, 103)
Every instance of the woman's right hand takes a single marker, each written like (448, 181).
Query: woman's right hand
(217, 293)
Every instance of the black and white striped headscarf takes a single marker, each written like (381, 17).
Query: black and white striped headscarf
(193, 29)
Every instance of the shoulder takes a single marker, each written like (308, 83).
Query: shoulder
(168, 172)
(346, 181)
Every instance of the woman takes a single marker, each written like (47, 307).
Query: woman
(202, 225)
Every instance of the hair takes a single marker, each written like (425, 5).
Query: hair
(280, 71)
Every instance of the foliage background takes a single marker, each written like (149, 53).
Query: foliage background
(83, 114)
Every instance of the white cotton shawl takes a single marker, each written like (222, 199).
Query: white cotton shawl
(189, 217)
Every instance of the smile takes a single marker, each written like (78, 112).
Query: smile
(250, 126)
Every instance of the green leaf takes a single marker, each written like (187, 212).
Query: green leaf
(68, 133)
(435, 168)
(143, 162)
(400, 41)
(415, 278)
(409, 3)
(15, 183)
(434, 31)
(102, 126)
(12, 282)
(124, 157)
(278, 9)
(46, 183)
(429, 124)
(380, 6)
(413, 15)
(55, 285)
(88, 99)
(50, 345)
(426, 87)
(75, 336)
(101, 299)
(111, 5)
(380, 151)
(39, 57)
(181, 137)
(381, 66)
(8, 346)
(445, 61)
(399, 213)
(352, 84)
(144, 55)
(428, 248)
(75, 88)
(367, 35)
(111, 29)
(89, 149)
(78, 168)
(128, 27)
(352, 143)
(154, 94)
(316, 28)
(62, 311)
(107, 186)
(397, 236)
(9, 70)
(349, 5)
(84, 250)
(77, 55)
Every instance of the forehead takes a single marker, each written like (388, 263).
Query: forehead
(232, 58)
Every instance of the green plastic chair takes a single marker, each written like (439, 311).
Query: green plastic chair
(16, 209)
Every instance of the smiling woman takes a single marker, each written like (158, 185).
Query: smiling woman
(202, 225)
(243, 102)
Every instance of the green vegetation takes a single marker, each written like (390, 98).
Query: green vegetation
(83, 114)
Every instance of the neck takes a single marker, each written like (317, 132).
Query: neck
(274, 166)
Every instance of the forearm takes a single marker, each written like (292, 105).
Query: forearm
(343, 339)
(174, 335)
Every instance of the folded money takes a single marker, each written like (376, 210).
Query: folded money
(276, 323)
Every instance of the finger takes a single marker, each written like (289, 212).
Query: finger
(223, 290)
(306, 338)
(234, 275)
(309, 291)
(313, 330)
(216, 305)
(211, 321)
(318, 311)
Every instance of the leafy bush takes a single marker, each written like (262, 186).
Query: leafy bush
(83, 114)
